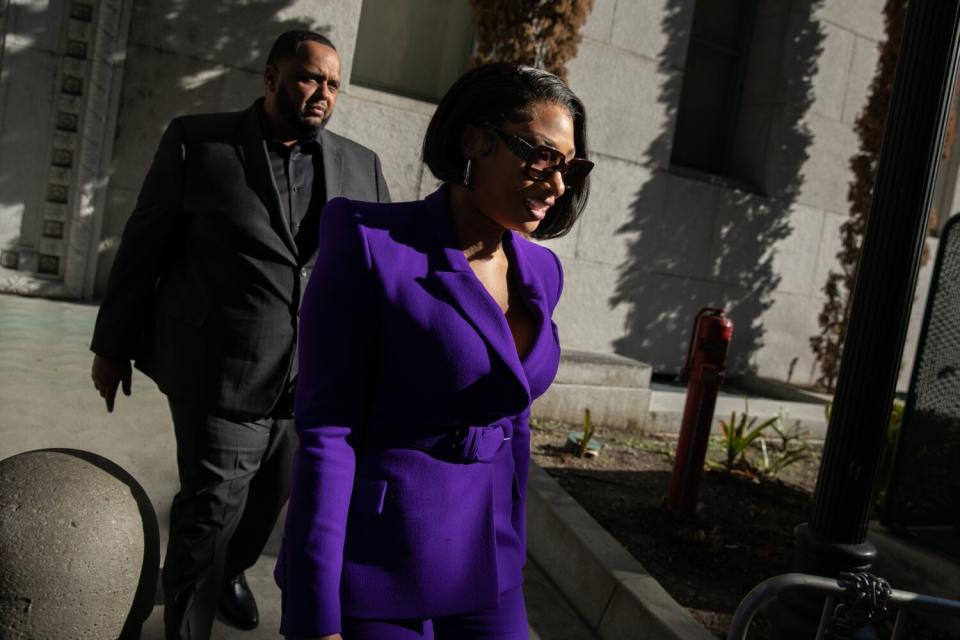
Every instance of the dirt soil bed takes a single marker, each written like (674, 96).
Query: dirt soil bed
(741, 535)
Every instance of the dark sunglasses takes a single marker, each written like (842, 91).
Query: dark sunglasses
(541, 161)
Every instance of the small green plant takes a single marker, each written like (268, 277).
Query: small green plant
(588, 431)
(791, 448)
(790, 437)
(582, 443)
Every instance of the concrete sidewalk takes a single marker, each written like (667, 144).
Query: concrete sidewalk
(667, 404)
(47, 399)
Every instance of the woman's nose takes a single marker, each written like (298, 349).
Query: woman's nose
(556, 183)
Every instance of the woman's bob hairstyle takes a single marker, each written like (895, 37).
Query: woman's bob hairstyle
(497, 93)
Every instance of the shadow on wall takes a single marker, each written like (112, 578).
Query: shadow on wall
(696, 244)
(20, 53)
(184, 57)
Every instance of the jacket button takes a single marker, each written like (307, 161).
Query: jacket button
(303, 273)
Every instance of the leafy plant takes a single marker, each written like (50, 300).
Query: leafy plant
(739, 434)
(791, 448)
(775, 461)
(790, 437)
(743, 433)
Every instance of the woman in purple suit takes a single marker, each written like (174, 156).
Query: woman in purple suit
(426, 332)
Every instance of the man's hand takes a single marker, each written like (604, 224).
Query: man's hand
(107, 374)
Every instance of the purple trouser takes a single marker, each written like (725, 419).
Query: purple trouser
(508, 622)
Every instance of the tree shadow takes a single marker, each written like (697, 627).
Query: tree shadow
(703, 241)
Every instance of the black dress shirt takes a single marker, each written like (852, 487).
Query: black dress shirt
(298, 172)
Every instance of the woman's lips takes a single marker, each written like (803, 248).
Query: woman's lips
(538, 207)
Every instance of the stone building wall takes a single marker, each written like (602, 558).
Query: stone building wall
(61, 77)
(655, 244)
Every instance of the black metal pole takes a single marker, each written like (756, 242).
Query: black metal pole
(835, 539)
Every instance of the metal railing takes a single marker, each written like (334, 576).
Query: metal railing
(852, 601)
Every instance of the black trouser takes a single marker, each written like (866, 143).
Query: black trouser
(234, 481)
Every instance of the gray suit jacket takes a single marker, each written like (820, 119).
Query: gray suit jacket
(205, 290)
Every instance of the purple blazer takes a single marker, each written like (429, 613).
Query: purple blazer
(412, 410)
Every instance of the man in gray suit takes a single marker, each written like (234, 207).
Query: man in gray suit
(204, 296)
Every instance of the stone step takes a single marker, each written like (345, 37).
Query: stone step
(667, 404)
(615, 389)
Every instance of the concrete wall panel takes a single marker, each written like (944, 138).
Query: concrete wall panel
(584, 317)
(809, 160)
(599, 25)
(238, 89)
(626, 108)
(678, 241)
(864, 17)
(863, 67)
(158, 86)
(829, 84)
(34, 24)
(658, 29)
(24, 142)
(610, 225)
(830, 245)
(794, 256)
(782, 348)
(764, 244)
(566, 246)
(395, 134)
(240, 34)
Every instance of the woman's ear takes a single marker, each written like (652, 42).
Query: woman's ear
(476, 142)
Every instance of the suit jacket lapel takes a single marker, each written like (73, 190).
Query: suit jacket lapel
(253, 152)
(332, 164)
(453, 273)
(533, 292)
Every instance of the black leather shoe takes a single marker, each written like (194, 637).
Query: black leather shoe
(237, 605)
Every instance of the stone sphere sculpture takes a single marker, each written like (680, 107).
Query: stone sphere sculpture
(79, 548)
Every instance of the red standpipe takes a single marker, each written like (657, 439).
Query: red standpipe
(703, 371)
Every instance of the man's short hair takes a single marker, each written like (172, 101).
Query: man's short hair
(286, 45)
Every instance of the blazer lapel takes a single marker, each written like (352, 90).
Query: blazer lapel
(533, 292)
(332, 165)
(452, 272)
(253, 152)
